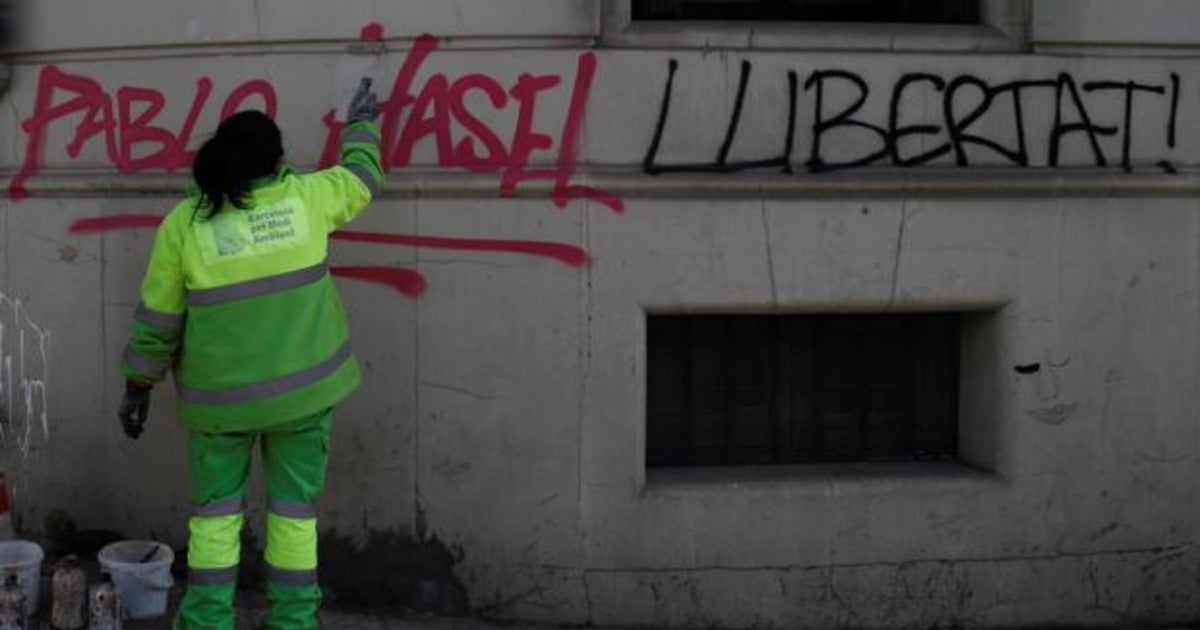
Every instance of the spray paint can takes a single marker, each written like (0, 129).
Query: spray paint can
(69, 586)
(12, 604)
(360, 61)
(104, 604)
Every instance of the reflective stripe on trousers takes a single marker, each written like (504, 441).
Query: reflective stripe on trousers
(291, 542)
(215, 545)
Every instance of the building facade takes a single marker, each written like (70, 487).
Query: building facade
(666, 318)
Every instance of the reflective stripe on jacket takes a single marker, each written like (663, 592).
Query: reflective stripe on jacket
(242, 307)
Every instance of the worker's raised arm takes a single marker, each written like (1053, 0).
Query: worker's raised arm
(352, 186)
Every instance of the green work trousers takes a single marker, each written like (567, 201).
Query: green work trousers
(294, 457)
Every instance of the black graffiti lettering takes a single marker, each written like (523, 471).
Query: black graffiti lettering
(1017, 90)
(648, 165)
(736, 116)
(784, 159)
(817, 164)
(1128, 87)
(965, 101)
(957, 127)
(722, 164)
(1066, 84)
(1174, 110)
(790, 138)
(897, 132)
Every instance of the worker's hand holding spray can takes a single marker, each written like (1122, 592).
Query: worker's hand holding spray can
(364, 105)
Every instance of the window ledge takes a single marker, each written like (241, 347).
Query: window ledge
(824, 36)
(1002, 29)
(819, 478)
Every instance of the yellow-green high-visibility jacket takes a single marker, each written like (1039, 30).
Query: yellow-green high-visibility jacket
(242, 307)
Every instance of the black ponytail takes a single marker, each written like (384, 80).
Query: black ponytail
(246, 146)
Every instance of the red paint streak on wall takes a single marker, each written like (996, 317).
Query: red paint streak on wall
(406, 281)
(372, 32)
(562, 252)
(119, 222)
(569, 254)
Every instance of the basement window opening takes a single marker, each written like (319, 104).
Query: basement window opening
(877, 11)
(799, 389)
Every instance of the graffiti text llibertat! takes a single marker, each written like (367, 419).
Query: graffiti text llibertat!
(961, 101)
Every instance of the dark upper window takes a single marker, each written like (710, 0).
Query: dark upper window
(801, 388)
(8, 23)
(907, 11)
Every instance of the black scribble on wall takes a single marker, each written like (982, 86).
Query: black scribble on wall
(1128, 87)
(964, 100)
(721, 164)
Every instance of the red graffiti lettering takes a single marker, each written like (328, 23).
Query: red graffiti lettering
(430, 116)
(438, 110)
(464, 151)
(89, 97)
(203, 89)
(137, 108)
(568, 147)
(439, 104)
(401, 96)
(244, 91)
(138, 129)
(525, 140)
(98, 120)
(445, 111)
(333, 141)
(372, 32)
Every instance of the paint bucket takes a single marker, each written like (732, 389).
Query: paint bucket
(23, 559)
(141, 571)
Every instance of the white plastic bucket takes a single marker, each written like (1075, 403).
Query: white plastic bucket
(141, 572)
(25, 560)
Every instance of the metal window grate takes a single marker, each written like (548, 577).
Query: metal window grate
(888, 11)
(801, 388)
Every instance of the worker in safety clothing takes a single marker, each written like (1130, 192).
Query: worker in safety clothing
(238, 301)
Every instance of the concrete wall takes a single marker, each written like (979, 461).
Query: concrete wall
(1111, 23)
(501, 426)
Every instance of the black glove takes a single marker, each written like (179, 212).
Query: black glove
(364, 105)
(134, 407)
